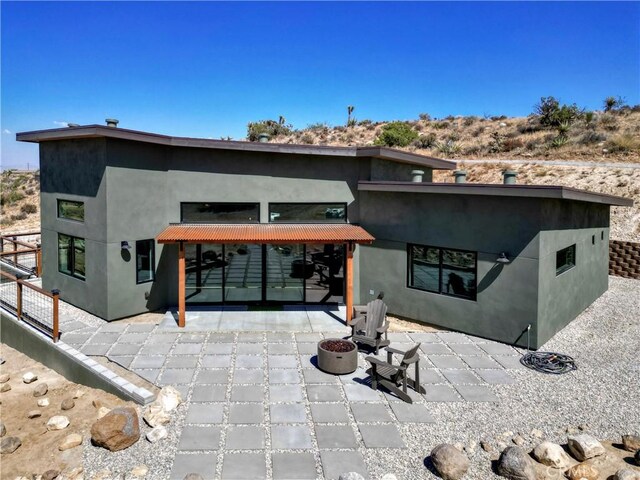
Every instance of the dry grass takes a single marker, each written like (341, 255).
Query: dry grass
(20, 201)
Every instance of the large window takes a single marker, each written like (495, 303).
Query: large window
(443, 270)
(308, 212)
(565, 259)
(220, 212)
(145, 261)
(71, 210)
(71, 256)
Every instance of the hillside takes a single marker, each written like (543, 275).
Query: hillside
(20, 201)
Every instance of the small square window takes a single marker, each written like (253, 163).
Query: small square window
(145, 261)
(565, 259)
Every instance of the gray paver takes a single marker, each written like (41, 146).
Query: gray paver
(248, 376)
(199, 438)
(150, 375)
(454, 337)
(461, 377)
(381, 436)
(187, 349)
(203, 463)
(141, 327)
(335, 436)
(509, 362)
(476, 393)
(435, 349)
(208, 393)
(192, 338)
(93, 349)
(255, 337)
(308, 337)
(76, 338)
(216, 361)
(212, 376)
(447, 361)
(205, 413)
(428, 376)
(335, 463)
(370, 412)
(313, 375)
(245, 438)
(244, 466)
(362, 393)
(250, 349)
(248, 361)
(465, 349)
(247, 393)
(104, 338)
(425, 337)
(113, 327)
(162, 338)
(288, 413)
(282, 361)
(124, 349)
(285, 393)
(281, 348)
(218, 348)
(329, 413)
(307, 348)
(441, 393)
(182, 361)
(278, 337)
(221, 337)
(412, 413)
(284, 376)
(494, 348)
(495, 377)
(133, 338)
(122, 360)
(145, 361)
(156, 349)
(246, 413)
(288, 437)
(324, 393)
(479, 361)
(174, 376)
(288, 466)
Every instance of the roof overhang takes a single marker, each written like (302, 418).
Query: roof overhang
(264, 233)
(97, 131)
(498, 190)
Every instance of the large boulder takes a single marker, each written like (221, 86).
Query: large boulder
(515, 464)
(168, 398)
(9, 444)
(626, 474)
(552, 455)
(117, 430)
(584, 447)
(582, 471)
(155, 416)
(631, 443)
(450, 462)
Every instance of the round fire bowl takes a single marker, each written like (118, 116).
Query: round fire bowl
(337, 356)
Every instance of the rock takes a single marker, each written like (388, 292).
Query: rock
(9, 444)
(631, 442)
(501, 446)
(117, 430)
(70, 441)
(97, 404)
(79, 394)
(43, 402)
(155, 416)
(537, 433)
(350, 476)
(471, 447)
(486, 446)
(157, 433)
(169, 398)
(3, 429)
(502, 124)
(34, 414)
(5, 387)
(584, 446)
(50, 474)
(58, 422)
(41, 390)
(450, 462)
(29, 377)
(636, 457)
(193, 476)
(507, 434)
(571, 430)
(104, 475)
(67, 404)
(102, 411)
(72, 473)
(626, 474)
(139, 472)
(515, 464)
(518, 440)
(389, 476)
(582, 471)
(552, 455)
(4, 378)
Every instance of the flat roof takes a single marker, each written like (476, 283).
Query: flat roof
(499, 190)
(95, 131)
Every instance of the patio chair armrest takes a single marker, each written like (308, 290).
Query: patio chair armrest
(394, 350)
(357, 321)
(382, 363)
(383, 328)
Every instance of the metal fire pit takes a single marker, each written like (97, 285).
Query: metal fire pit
(337, 356)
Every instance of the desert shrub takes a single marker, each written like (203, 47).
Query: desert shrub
(19, 216)
(349, 137)
(472, 149)
(608, 122)
(448, 148)
(588, 117)
(468, 121)
(11, 197)
(623, 143)
(441, 125)
(371, 126)
(396, 134)
(270, 127)
(318, 126)
(425, 117)
(529, 127)
(559, 141)
(612, 104)
(365, 122)
(453, 137)
(497, 142)
(552, 114)
(425, 141)
(418, 127)
(29, 191)
(592, 137)
(29, 208)
(307, 139)
(352, 122)
(449, 118)
(340, 128)
(479, 131)
(511, 144)
(531, 145)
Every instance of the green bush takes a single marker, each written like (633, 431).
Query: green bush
(552, 114)
(612, 104)
(396, 134)
(28, 208)
(11, 197)
(270, 127)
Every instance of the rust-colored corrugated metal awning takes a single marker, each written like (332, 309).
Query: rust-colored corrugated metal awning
(264, 233)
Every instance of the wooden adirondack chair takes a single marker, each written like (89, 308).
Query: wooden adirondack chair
(370, 328)
(393, 376)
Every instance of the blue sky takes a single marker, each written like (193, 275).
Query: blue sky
(206, 69)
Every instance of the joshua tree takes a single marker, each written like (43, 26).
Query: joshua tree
(350, 121)
(281, 120)
(613, 103)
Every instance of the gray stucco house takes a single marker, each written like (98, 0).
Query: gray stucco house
(135, 221)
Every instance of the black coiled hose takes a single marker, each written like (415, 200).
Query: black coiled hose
(548, 362)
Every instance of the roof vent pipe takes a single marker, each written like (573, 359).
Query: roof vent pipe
(263, 137)
(460, 176)
(72, 125)
(416, 176)
(509, 177)
(112, 122)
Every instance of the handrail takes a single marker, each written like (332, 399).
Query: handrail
(34, 248)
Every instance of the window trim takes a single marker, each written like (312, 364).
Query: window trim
(72, 255)
(440, 290)
(59, 216)
(565, 268)
(344, 220)
(152, 253)
(182, 220)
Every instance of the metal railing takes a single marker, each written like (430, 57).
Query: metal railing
(31, 304)
(22, 251)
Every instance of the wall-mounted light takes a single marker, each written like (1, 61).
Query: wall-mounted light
(124, 245)
(502, 258)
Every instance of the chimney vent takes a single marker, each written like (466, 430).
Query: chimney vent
(460, 176)
(263, 137)
(112, 122)
(509, 177)
(416, 176)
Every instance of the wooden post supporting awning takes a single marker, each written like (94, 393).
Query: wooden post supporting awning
(271, 233)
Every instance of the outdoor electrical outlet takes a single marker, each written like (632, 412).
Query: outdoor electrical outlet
(371, 292)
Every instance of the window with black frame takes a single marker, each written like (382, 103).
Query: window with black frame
(443, 270)
(145, 261)
(71, 210)
(219, 212)
(565, 259)
(308, 212)
(71, 256)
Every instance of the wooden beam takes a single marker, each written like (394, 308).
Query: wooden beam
(181, 286)
(349, 282)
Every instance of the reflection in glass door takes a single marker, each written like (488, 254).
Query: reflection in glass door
(204, 266)
(243, 273)
(285, 273)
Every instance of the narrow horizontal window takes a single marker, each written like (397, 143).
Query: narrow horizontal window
(71, 210)
(565, 259)
(145, 260)
(308, 212)
(192, 212)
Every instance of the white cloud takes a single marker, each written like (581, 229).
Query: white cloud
(6, 131)
(60, 124)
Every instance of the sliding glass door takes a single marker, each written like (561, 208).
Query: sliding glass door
(286, 270)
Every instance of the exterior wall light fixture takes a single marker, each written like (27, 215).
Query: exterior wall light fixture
(124, 245)
(502, 258)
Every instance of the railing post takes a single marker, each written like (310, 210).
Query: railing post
(38, 260)
(19, 299)
(56, 326)
(15, 248)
